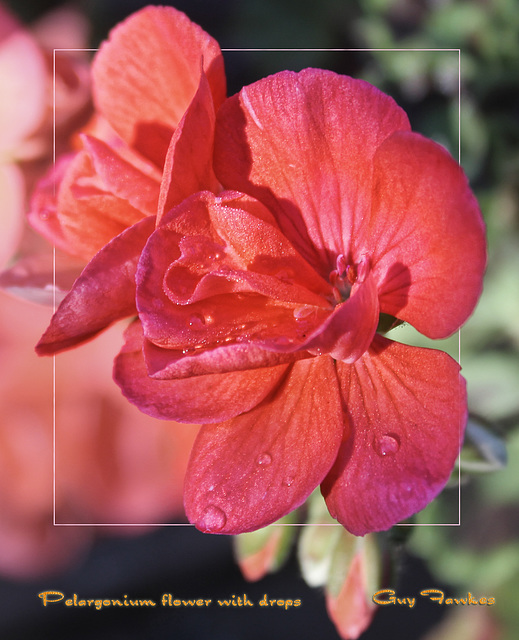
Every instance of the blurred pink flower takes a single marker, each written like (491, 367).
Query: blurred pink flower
(113, 464)
(29, 93)
(350, 606)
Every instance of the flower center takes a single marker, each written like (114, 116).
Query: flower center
(344, 276)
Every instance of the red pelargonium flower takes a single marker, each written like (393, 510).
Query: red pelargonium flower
(259, 312)
(259, 289)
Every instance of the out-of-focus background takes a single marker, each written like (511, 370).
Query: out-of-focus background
(115, 466)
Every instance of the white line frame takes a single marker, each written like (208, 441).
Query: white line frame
(182, 524)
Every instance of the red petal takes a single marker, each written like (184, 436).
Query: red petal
(250, 471)
(196, 288)
(89, 215)
(168, 364)
(427, 237)
(189, 162)
(121, 178)
(202, 399)
(407, 410)
(103, 293)
(317, 181)
(147, 73)
(348, 331)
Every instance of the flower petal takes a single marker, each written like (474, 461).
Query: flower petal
(189, 161)
(197, 288)
(88, 215)
(407, 411)
(23, 84)
(250, 471)
(121, 178)
(38, 277)
(200, 399)
(316, 181)
(147, 73)
(12, 190)
(43, 209)
(103, 293)
(347, 333)
(426, 236)
(169, 364)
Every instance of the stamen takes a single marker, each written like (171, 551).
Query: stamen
(346, 275)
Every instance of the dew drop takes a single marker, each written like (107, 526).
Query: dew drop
(264, 459)
(213, 520)
(303, 312)
(386, 445)
(287, 482)
(196, 320)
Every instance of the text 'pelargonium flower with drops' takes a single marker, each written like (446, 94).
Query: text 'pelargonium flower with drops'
(307, 209)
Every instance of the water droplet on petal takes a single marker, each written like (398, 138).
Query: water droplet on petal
(196, 320)
(303, 312)
(386, 445)
(212, 520)
(288, 481)
(264, 459)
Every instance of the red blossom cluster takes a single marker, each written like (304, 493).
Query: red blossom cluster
(258, 241)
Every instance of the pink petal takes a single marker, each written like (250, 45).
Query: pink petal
(189, 161)
(250, 471)
(348, 331)
(426, 236)
(23, 84)
(147, 73)
(407, 412)
(318, 182)
(201, 399)
(104, 292)
(168, 364)
(121, 178)
(39, 278)
(351, 610)
(199, 283)
(43, 214)
(89, 215)
(12, 194)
